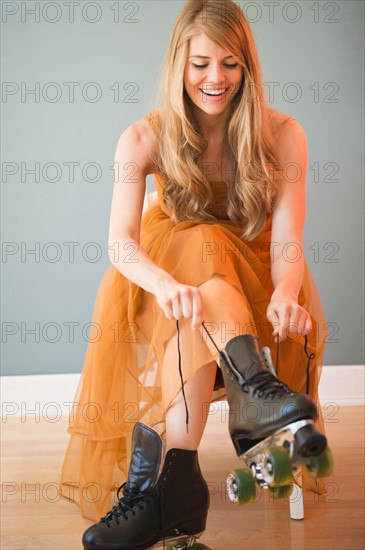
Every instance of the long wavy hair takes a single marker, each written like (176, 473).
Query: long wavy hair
(253, 189)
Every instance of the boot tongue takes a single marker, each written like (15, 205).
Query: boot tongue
(246, 354)
(145, 460)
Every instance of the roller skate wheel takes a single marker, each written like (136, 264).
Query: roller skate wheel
(241, 486)
(277, 466)
(309, 441)
(283, 491)
(321, 465)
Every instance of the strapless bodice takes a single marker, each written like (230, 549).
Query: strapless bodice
(218, 206)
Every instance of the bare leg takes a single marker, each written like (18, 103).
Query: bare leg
(229, 315)
(226, 312)
(198, 393)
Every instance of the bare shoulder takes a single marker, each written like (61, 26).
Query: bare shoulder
(284, 125)
(137, 144)
(291, 141)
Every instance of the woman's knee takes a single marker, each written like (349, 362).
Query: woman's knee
(227, 307)
(218, 288)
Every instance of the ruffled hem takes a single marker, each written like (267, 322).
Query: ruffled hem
(124, 379)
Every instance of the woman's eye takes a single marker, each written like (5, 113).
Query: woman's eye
(233, 66)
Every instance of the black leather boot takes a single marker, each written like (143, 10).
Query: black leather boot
(260, 404)
(154, 506)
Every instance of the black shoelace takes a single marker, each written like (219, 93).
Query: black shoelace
(265, 383)
(310, 356)
(181, 376)
(131, 498)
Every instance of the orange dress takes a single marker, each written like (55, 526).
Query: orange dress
(124, 379)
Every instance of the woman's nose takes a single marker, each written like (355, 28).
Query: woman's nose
(215, 74)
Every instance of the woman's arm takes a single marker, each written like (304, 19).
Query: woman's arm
(132, 164)
(287, 254)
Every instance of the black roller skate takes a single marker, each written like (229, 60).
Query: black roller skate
(170, 507)
(271, 426)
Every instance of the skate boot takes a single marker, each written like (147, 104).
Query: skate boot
(271, 426)
(171, 507)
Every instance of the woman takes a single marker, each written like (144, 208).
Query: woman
(219, 251)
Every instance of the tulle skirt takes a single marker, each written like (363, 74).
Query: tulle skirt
(125, 379)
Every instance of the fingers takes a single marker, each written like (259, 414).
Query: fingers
(308, 325)
(197, 310)
(288, 319)
(183, 302)
(177, 307)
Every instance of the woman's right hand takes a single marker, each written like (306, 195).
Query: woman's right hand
(180, 301)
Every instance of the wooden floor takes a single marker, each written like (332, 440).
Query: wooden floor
(34, 518)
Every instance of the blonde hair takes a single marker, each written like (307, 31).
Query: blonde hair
(254, 186)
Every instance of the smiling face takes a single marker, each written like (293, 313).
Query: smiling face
(212, 76)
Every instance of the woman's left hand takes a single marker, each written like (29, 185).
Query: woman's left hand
(287, 316)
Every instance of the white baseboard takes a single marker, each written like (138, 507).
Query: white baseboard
(51, 395)
(343, 385)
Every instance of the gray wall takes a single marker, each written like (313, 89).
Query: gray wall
(316, 63)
